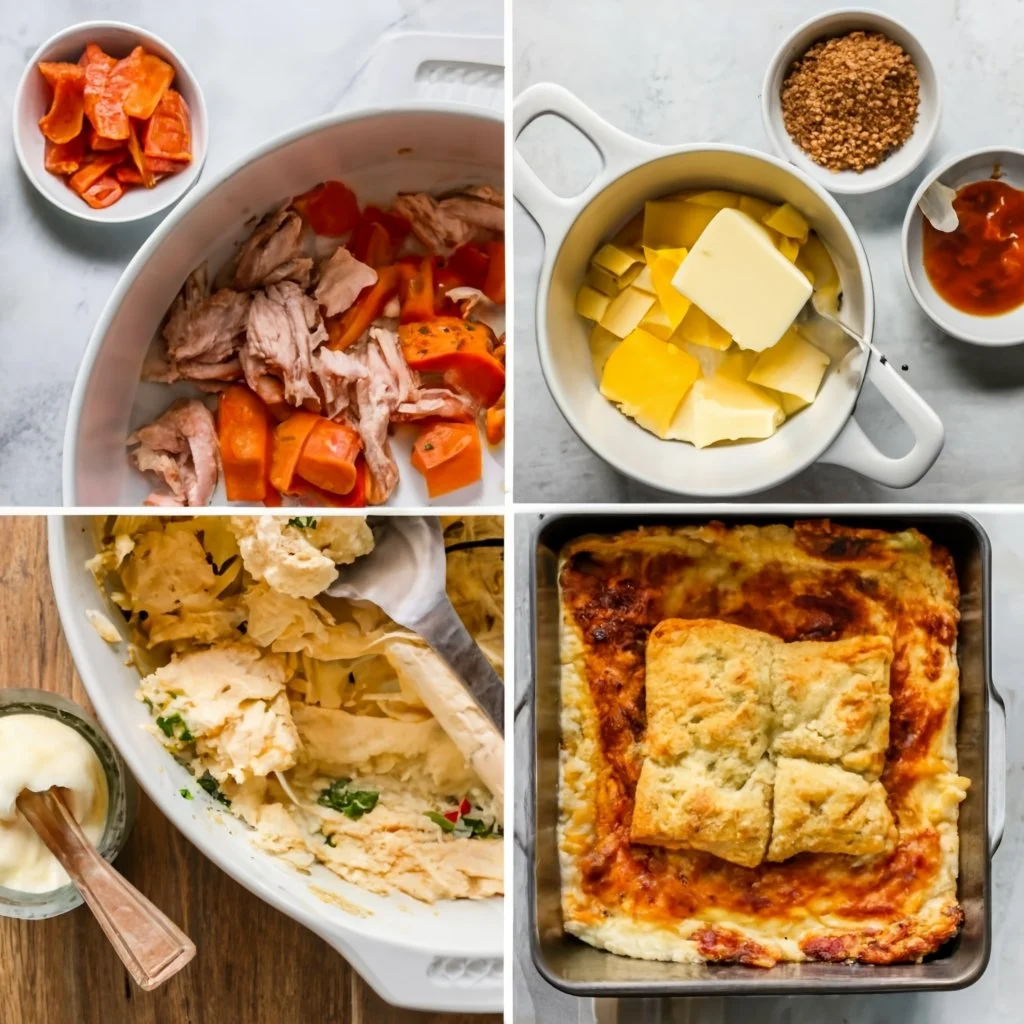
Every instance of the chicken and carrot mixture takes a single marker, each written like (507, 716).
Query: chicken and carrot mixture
(114, 124)
(307, 716)
(331, 328)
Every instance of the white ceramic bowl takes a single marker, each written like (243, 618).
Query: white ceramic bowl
(993, 331)
(444, 957)
(378, 153)
(32, 100)
(632, 172)
(899, 163)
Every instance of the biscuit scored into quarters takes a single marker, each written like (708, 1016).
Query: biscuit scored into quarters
(723, 702)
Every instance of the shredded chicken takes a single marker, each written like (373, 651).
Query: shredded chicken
(283, 331)
(273, 252)
(376, 400)
(181, 447)
(444, 225)
(335, 372)
(441, 402)
(342, 278)
(404, 382)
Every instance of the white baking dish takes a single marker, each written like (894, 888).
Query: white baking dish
(414, 145)
(445, 957)
(633, 171)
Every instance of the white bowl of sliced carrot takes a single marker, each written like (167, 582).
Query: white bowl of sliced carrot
(109, 123)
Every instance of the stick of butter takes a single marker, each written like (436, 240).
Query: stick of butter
(721, 408)
(736, 275)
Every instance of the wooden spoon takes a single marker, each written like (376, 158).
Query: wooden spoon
(150, 945)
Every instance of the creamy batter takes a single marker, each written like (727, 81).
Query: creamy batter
(37, 752)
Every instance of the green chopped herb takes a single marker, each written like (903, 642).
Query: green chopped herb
(308, 522)
(441, 821)
(477, 828)
(209, 783)
(167, 726)
(329, 841)
(185, 792)
(353, 803)
(149, 704)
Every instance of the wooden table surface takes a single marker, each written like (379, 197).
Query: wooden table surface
(253, 966)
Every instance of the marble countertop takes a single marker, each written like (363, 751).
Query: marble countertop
(263, 69)
(995, 999)
(672, 72)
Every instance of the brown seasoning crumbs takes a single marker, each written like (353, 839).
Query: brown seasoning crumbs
(850, 101)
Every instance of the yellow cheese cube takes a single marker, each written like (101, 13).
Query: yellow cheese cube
(737, 364)
(738, 277)
(814, 259)
(602, 344)
(648, 378)
(643, 280)
(613, 259)
(591, 303)
(605, 282)
(669, 223)
(787, 220)
(793, 366)
(699, 329)
(722, 409)
(717, 199)
(789, 247)
(631, 232)
(663, 269)
(657, 323)
(791, 404)
(673, 256)
(625, 311)
(756, 208)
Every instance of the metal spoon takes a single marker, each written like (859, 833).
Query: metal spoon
(812, 310)
(404, 576)
(149, 943)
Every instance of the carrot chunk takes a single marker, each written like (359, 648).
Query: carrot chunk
(145, 174)
(150, 78)
(348, 327)
(290, 437)
(328, 459)
(63, 121)
(461, 350)
(449, 456)
(330, 208)
(416, 289)
(244, 433)
(494, 283)
(169, 131)
(372, 245)
(103, 192)
(494, 422)
(98, 144)
(54, 72)
(65, 157)
(93, 170)
(97, 66)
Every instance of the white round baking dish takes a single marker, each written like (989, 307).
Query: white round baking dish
(377, 152)
(445, 957)
(633, 171)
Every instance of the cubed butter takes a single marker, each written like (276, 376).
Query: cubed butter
(722, 409)
(602, 344)
(793, 366)
(669, 223)
(648, 378)
(699, 329)
(626, 310)
(603, 281)
(615, 259)
(737, 276)
(788, 221)
(591, 303)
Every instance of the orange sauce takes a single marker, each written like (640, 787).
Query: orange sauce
(979, 268)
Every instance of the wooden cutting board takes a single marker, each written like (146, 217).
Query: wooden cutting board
(253, 965)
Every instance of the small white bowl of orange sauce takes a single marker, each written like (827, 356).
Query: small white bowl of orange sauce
(970, 282)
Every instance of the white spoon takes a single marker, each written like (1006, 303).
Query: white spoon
(937, 205)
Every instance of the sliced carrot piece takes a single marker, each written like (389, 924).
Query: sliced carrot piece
(469, 264)
(98, 144)
(347, 328)
(416, 289)
(65, 157)
(494, 283)
(93, 170)
(494, 422)
(161, 165)
(103, 192)
(461, 350)
(372, 245)
(109, 116)
(449, 456)
(330, 209)
(169, 131)
(97, 66)
(130, 175)
(63, 121)
(290, 436)
(54, 72)
(138, 158)
(150, 79)
(244, 434)
(328, 459)
(397, 227)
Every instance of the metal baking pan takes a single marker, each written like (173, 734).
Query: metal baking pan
(580, 969)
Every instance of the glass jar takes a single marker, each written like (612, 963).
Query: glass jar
(123, 798)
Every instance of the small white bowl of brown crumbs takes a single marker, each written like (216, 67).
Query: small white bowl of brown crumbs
(852, 99)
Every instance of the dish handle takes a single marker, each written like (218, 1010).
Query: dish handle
(420, 980)
(619, 153)
(855, 451)
(996, 769)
